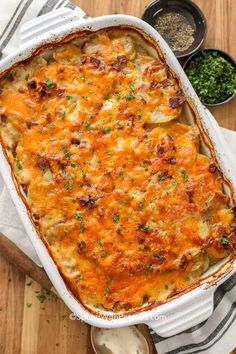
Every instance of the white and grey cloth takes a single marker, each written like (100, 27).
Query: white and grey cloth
(217, 335)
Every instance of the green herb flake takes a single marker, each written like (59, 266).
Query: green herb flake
(131, 86)
(184, 175)
(29, 305)
(107, 290)
(117, 95)
(99, 242)
(78, 215)
(18, 165)
(26, 77)
(130, 96)
(48, 82)
(41, 298)
(224, 241)
(103, 254)
(69, 97)
(106, 130)
(116, 218)
(149, 268)
(141, 204)
(186, 279)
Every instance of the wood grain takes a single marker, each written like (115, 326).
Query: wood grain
(28, 326)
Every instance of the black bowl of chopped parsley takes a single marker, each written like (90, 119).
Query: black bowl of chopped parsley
(212, 73)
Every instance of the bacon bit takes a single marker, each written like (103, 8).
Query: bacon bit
(189, 190)
(166, 83)
(153, 85)
(117, 306)
(142, 101)
(220, 230)
(164, 176)
(159, 257)
(36, 216)
(9, 77)
(32, 85)
(159, 149)
(116, 66)
(170, 160)
(234, 210)
(84, 59)
(232, 238)
(131, 118)
(176, 101)
(96, 62)
(183, 262)
(3, 118)
(49, 117)
(25, 187)
(60, 92)
(43, 164)
(87, 201)
(122, 59)
(75, 141)
(31, 124)
(212, 168)
(81, 245)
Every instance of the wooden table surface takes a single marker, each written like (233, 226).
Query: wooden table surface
(33, 324)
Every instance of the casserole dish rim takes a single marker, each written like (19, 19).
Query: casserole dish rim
(26, 51)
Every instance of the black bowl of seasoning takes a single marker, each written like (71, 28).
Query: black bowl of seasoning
(212, 73)
(180, 22)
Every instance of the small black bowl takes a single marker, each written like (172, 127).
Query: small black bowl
(224, 55)
(189, 10)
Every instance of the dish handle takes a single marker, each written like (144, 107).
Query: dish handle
(184, 313)
(38, 26)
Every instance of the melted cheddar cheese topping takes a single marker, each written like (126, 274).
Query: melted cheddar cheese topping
(128, 207)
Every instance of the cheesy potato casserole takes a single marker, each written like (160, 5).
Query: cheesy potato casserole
(112, 175)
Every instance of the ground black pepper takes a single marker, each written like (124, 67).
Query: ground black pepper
(176, 30)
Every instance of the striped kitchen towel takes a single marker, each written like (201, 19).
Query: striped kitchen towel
(217, 335)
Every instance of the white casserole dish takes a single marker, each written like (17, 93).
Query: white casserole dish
(194, 305)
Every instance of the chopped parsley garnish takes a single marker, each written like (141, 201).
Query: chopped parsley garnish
(116, 218)
(103, 254)
(67, 185)
(29, 305)
(141, 204)
(212, 77)
(99, 242)
(149, 268)
(63, 115)
(87, 125)
(18, 165)
(117, 95)
(48, 82)
(107, 290)
(81, 228)
(27, 77)
(106, 97)
(69, 97)
(184, 175)
(106, 130)
(132, 87)
(186, 278)
(224, 241)
(78, 215)
(130, 96)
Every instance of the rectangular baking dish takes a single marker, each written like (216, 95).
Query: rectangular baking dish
(193, 305)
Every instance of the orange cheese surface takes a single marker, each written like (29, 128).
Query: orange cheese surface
(129, 208)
